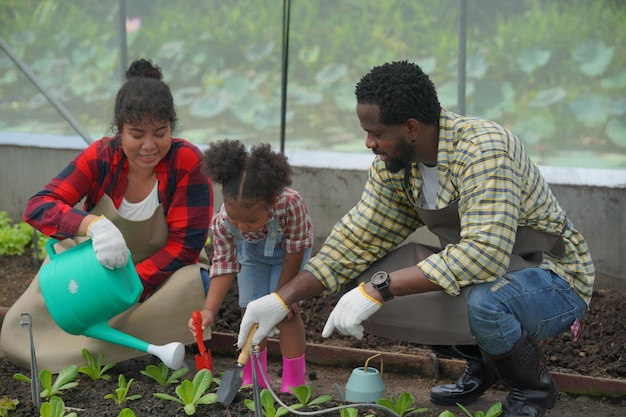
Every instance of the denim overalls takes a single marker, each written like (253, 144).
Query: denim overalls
(261, 262)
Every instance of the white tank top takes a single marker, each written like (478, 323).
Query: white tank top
(142, 210)
(430, 175)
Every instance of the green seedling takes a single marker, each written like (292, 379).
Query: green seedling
(54, 408)
(349, 412)
(191, 394)
(64, 381)
(403, 405)
(494, 411)
(304, 395)
(121, 392)
(7, 404)
(267, 402)
(94, 369)
(126, 412)
(161, 374)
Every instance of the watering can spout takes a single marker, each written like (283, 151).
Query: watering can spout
(172, 354)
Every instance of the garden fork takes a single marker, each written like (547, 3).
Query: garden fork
(34, 380)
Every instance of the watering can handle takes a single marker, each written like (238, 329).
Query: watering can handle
(50, 247)
(372, 357)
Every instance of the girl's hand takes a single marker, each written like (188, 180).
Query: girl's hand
(294, 309)
(208, 318)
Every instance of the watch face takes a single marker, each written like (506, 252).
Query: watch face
(379, 278)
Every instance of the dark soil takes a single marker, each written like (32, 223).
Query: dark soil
(598, 353)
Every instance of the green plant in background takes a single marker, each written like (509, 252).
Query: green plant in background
(54, 408)
(161, 374)
(403, 405)
(267, 404)
(233, 78)
(120, 396)
(66, 379)
(7, 404)
(304, 395)
(94, 369)
(494, 411)
(191, 394)
(15, 238)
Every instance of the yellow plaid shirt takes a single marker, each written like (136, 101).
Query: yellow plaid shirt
(498, 188)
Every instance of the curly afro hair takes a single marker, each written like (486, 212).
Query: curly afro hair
(402, 91)
(260, 174)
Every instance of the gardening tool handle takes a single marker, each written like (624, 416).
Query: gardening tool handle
(196, 316)
(245, 351)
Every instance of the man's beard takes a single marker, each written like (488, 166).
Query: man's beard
(397, 164)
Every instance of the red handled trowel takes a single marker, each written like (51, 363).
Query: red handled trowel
(232, 380)
(203, 358)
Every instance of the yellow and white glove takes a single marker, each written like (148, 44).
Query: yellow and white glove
(351, 310)
(268, 311)
(108, 243)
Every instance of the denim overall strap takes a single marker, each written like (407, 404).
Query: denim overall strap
(239, 240)
(272, 236)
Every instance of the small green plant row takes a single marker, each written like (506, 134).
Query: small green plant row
(15, 238)
(189, 393)
(402, 406)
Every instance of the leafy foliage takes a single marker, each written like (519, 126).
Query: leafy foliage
(121, 392)
(161, 374)
(403, 405)
(494, 411)
(233, 76)
(54, 408)
(15, 238)
(304, 395)
(191, 394)
(94, 368)
(268, 407)
(7, 404)
(64, 381)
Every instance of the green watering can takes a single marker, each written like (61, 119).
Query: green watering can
(82, 295)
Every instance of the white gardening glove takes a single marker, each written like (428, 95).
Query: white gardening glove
(108, 243)
(268, 311)
(351, 310)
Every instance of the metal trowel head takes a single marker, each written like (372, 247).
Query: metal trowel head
(232, 380)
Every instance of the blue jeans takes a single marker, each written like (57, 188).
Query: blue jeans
(534, 299)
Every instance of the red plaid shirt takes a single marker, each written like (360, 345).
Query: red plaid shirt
(293, 222)
(185, 193)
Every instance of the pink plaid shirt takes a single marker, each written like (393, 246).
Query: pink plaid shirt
(293, 222)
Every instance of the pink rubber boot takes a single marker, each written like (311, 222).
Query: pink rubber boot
(247, 370)
(294, 371)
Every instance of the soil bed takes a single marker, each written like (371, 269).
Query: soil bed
(598, 353)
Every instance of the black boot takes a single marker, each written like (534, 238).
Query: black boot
(524, 370)
(476, 379)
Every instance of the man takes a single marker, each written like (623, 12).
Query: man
(503, 234)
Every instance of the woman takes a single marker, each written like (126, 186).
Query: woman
(143, 191)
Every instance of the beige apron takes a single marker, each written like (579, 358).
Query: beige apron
(162, 317)
(436, 318)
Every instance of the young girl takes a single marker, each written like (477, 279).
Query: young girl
(263, 235)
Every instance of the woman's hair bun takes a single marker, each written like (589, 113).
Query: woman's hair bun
(144, 68)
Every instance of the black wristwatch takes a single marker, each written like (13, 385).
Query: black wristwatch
(380, 280)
